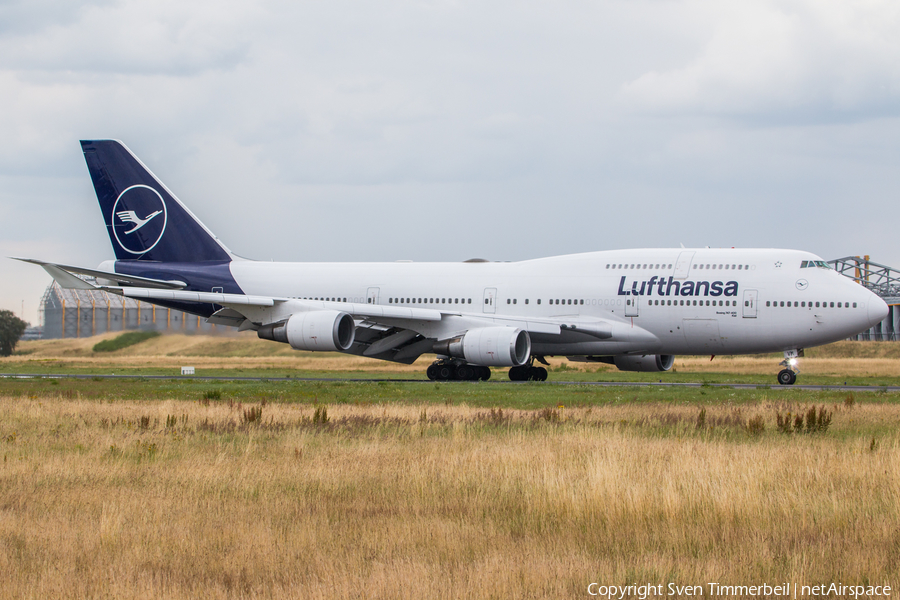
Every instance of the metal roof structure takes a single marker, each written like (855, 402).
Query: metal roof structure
(880, 279)
(68, 313)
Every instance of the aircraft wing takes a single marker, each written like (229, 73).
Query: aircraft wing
(395, 333)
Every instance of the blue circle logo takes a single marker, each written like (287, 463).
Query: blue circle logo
(139, 219)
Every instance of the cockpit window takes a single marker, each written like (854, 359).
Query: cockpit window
(809, 264)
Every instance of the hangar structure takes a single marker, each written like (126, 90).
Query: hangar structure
(882, 280)
(83, 313)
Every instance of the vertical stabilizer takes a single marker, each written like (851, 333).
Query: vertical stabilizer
(145, 221)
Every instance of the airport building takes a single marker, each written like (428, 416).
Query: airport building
(881, 280)
(83, 313)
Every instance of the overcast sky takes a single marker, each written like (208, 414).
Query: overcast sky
(443, 130)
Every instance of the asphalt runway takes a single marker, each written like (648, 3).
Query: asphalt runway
(736, 386)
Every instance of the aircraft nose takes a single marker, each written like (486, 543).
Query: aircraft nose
(878, 310)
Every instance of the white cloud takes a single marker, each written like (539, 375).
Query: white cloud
(136, 37)
(784, 61)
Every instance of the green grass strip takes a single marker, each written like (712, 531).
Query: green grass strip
(125, 340)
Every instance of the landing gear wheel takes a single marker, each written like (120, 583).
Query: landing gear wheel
(525, 373)
(445, 372)
(537, 374)
(484, 373)
(787, 377)
(465, 372)
(432, 372)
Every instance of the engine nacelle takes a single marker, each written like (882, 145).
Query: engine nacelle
(647, 362)
(489, 347)
(318, 330)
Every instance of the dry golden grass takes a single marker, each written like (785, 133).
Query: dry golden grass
(432, 502)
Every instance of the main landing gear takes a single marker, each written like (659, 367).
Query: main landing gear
(528, 372)
(788, 375)
(449, 369)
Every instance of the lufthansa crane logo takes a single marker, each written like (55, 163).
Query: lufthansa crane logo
(138, 219)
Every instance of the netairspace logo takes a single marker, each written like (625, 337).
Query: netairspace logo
(670, 287)
(716, 590)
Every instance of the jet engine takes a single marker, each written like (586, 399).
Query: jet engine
(647, 362)
(319, 330)
(489, 347)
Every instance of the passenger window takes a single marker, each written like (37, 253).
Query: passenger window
(839, 305)
(832, 305)
(526, 300)
(767, 303)
(854, 305)
(539, 300)
(740, 267)
(508, 301)
(515, 300)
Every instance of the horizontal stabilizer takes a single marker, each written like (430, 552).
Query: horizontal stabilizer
(118, 277)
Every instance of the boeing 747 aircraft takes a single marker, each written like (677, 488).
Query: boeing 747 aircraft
(635, 309)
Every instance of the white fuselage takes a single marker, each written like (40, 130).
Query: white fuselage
(685, 301)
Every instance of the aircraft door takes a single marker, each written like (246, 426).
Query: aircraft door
(750, 298)
(490, 300)
(372, 295)
(683, 265)
(631, 306)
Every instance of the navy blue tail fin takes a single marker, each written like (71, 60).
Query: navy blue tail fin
(144, 220)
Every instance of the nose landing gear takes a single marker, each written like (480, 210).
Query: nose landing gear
(788, 375)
